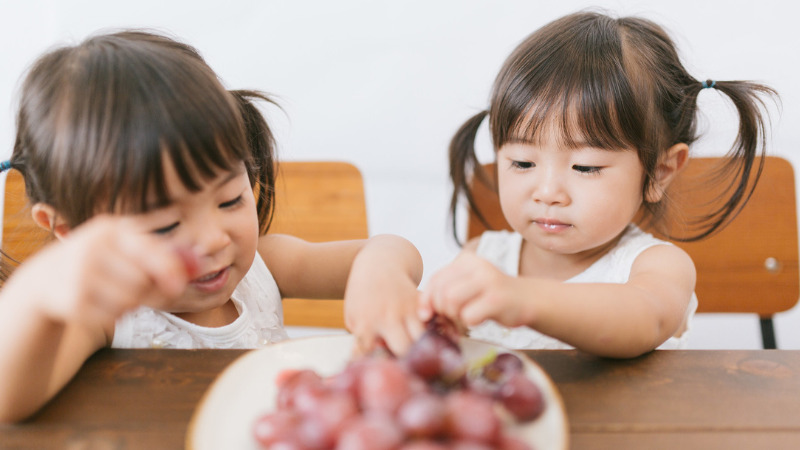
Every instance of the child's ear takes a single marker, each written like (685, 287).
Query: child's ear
(46, 217)
(668, 167)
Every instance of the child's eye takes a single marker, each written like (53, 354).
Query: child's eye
(521, 164)
(166, 229)
(586, 169)
(231, 203)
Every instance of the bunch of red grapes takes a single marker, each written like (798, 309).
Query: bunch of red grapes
(426, 400)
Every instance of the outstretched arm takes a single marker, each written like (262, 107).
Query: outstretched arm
(606, 319)
(377, 277)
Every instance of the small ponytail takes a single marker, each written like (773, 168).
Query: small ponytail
(262, 170)
(745, 159)
(464, 165)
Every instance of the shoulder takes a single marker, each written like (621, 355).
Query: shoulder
(656, 255)
(636, 237)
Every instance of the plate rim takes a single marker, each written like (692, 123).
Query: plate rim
(254, 353)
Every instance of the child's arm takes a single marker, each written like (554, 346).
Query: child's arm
(60, 305)
(607, 319)
(377, 277)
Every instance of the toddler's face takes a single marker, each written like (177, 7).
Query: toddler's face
(220, 224)
(568, 201)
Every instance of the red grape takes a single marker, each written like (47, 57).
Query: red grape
(423, 415)
(521, 397)
(425, 355)
(383, 386)
(370, 432)
(276, 427)
(472, 417)
(291, 382)
(502, 366)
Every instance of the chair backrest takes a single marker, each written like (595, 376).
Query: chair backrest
(319, 201)
(315, 200)
(751, 266)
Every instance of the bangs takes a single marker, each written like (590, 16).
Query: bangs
(195, 123)
(199, 149)
(575, 87)
(582, 122)
(99, 120)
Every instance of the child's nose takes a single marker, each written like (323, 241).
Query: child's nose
(210, 238)
(549, 188)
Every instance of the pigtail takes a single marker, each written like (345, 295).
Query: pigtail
(464, 165)
(263, 167)
(745, 159)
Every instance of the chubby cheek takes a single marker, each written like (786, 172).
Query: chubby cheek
(513, 204)
(246, 231)
(610, 211)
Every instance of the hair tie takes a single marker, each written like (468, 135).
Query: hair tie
(709, 84)
(5, 165)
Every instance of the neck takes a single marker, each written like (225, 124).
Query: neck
(540, 263)
(212, 318)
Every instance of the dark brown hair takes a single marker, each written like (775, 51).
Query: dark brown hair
(615, 84)
(96, 119)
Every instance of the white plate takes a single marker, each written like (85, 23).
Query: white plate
(246, 389)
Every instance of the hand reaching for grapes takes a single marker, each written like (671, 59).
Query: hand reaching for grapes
(470, 290)
(389, 317)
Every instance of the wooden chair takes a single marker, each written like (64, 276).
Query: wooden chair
(316, 201)
(751, 266)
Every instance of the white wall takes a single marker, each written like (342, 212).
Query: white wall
(385, 84)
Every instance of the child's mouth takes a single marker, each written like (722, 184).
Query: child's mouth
(213, 281)
(551, 225)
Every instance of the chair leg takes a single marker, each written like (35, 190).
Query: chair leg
(767, 333)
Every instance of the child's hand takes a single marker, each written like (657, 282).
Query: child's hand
(381, 295)
(388, 318)
(100, 270)
(470, 290)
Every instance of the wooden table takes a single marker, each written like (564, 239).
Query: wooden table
(130, 399)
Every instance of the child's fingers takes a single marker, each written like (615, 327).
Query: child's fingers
(114, 301)
(163, 264)
(476, 312)
(424, 306)
(118, 287)
(365, 342)
(170, 266)
(397, 340)
(449, 290)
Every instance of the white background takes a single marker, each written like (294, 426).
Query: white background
(385, 84)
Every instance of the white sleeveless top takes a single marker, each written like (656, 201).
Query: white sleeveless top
(502, 248)
(260, 321)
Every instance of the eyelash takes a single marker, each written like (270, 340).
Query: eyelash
(224, 205)
(231, 203)
(166, 229)
(521, 165)
(589, 170)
